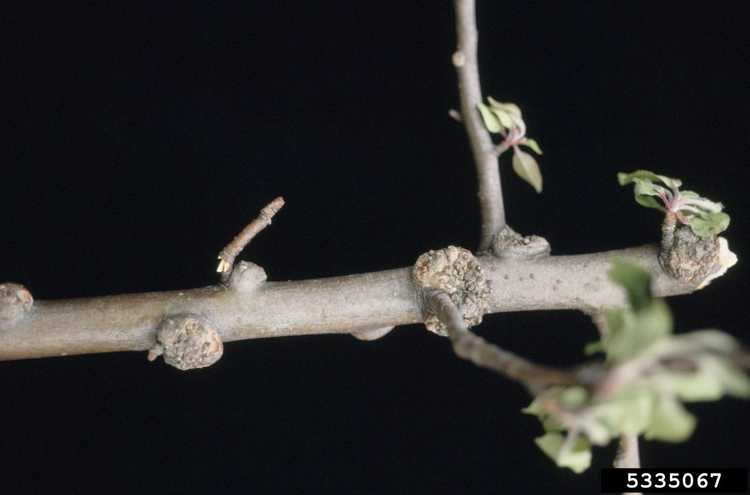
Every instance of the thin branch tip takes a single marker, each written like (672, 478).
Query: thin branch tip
(228, 255)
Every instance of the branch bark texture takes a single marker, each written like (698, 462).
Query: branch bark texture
(347, 304)
(485, 156)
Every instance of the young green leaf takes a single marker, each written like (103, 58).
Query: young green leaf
(636, 332)
(703, 216)
(577, 456)
(647, 176)
(532, 145)
(491, 121)
(526, 167)
(708, 224)
(509, 108)
(634, 280)
(669, 421)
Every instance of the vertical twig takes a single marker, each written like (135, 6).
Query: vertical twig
(628, 456)
(487, 355)
(465, 60)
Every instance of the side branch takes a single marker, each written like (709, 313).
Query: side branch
(482, 148)
(233, 249)
(480, 352)
(347, 304)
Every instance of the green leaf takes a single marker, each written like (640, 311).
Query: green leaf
(670, 422)
(509, 108)
(649, 202)
(527, 168)
(714, 341)
(635, 281)
(490, 119)
(690, 386)
(509, 114)
(628, 412)
(632, 333)
(506, 119)
(647, 176)
(691, 198)
(532, 145)
(593, 348)
(708, 224)
(577, 457)
(729, 379)
(573, 397)
(647, 187)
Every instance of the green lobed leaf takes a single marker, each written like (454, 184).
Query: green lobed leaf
(708, 224)
(527, 168)
(577, 457)
(532, 145)
(649, 202)
(691, 198)
(630, 334)
(627, 412)
(646, 176)
(647, 187)
(669, 422)
(731, 379)
(491, 122)
(633, 330)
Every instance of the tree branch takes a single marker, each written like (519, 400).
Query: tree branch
(482, 353)
(347, 304)
(485, 156)
(229, 253)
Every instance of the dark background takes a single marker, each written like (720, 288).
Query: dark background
(137, 140)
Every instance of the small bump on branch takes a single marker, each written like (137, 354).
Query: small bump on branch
(15, 303)
(512, 245)
(187, 342)
(247, 276)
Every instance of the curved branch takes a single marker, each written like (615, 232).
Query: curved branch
(347, 304)
(482, 353)
(485, 156)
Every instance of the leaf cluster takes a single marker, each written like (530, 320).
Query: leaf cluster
(649, 374)
(506, 119)
(704, 217)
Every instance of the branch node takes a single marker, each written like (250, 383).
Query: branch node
(458, 58)
(187, 342)
(229, 253)
(15, 303)
(246, 277)
(510, 244)
(455, 271)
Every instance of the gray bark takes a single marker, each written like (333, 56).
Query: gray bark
(347, 304)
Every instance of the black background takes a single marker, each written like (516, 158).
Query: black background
(137, 140)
